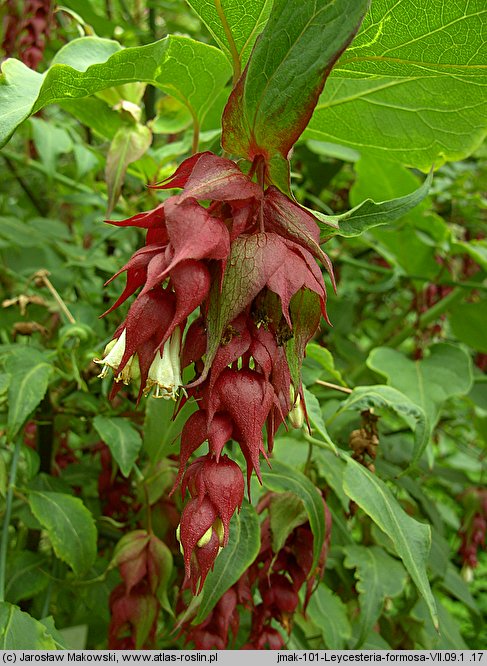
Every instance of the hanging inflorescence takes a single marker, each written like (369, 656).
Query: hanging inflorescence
(247, 261)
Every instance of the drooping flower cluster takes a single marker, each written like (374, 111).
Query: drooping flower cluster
(279, 577)
(217, 488)
(114, 489)
(26, 33)
(145, 564)
(247, 260)
(474, 528)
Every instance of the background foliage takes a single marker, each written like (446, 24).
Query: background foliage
(125, 91)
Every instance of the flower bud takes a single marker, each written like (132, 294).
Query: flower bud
(296, 415)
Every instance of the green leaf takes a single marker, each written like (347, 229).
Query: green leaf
(316, 420)
(332, 468)
(412, 540)
(329, 614)
(282, 478)
(94, 113)
(477, 249)
(449, 636)
(379, 576)
(369, 214)
(172, 117)
(456, 586)
(3, 476)
(286, 512)
(275, 97)
(20, 631)
(70, 527)
(55, 634)
(160, 430)
(127, 146)
(406, 90)
(50, 142)
(245, 20)
(25, 577)
(30, 373)
(191, 71)
(467, 321)
(385, 397)
(325, 359)
(242, 549)
(446, 372)
(122, 438)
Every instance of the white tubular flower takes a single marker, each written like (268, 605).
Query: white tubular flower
(165, 370)
(113, 355)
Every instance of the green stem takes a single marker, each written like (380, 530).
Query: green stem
(317, 442)
(41, 209)
(387, 271)
(237, 67)
(37, 166)
(428, 317)
(8, 514)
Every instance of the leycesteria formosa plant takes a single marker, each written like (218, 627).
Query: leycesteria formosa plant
(229, 281)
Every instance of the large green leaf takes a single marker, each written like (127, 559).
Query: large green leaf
(449, 636)
(324, 358)
(411, 244)
(30, 371)
(284, 478)
(70, 527)
(329, 614)
(379, 576)
(445, 372)
(367, 397)
(286, 512)
(121, 437)
(20, 631)
(275, 97)
(95, 114)
(318, 426)
(160, 430)
(25, 576)
(467, 321)
(411, 539)
(369, 214)
(412, 85)
(191, 71)
(234, 559)
(244, 20)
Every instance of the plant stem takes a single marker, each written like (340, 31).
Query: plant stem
(427, 318)
(42, 210)
(344, 389)
(387, 271)
(237, 67)
(32, 164)
(8, 513)
(42, 276)
(45, 434)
